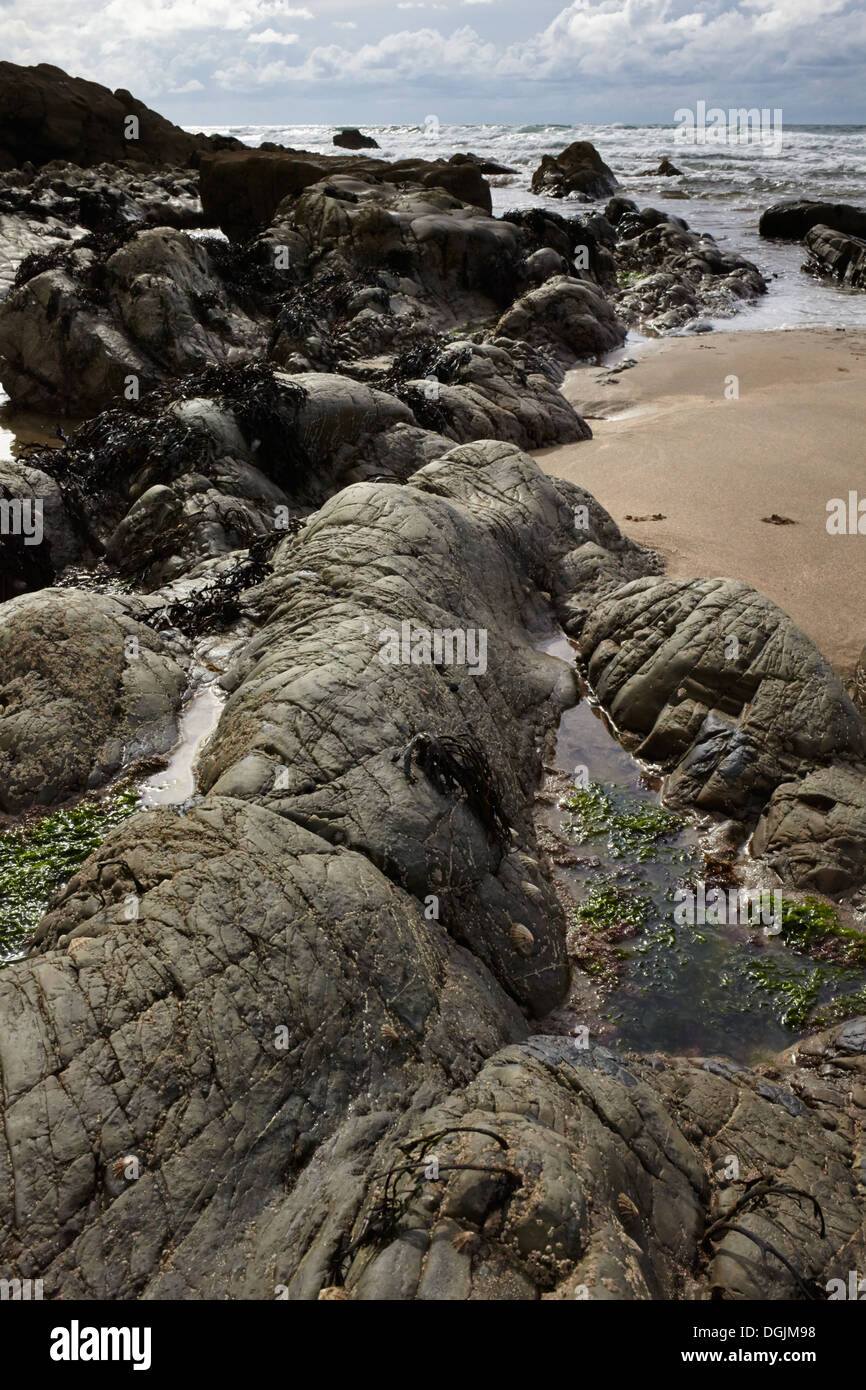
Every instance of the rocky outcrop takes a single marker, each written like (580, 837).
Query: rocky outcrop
(667, 169)
(570, 318)
(365, 836)
(579, 171)
(792, 219)
(87, 329)
(669, 275)
(711, 681)
(242, 191)
(86, 690)
(352, 139)
(837, 254)
(308, 1063)
(45, 114)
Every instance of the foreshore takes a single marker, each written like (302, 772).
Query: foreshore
(672, 439)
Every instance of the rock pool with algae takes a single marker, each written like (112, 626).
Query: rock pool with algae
(667, 985)
(37, 858)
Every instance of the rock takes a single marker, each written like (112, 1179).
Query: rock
(569, 317)
(499, 389)
(242, 190)
(447, 261)
(720, 688)
(86, 690)
(813, 832)
(352, 139)
(673, 276)
(45, 114)
(667, 169)
(792, 219)
(73, 337)
(355, 941)
(835, 253)
(578, 170)
(47, 537)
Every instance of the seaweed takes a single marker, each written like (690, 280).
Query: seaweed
(633, 827)
(812, 927)
(756, 1196)
(458, 765)
(37, 859)
(216, 606)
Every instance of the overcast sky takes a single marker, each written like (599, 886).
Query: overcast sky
(519, 61)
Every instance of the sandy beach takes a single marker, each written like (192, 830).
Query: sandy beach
(669, 440)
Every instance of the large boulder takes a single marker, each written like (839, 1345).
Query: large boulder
(579, 171)
(85, 690)
(352, 139)
(570, 318)
(813, 832)
(792, 219)
(713, 682)
(45, 114)
(837, 254)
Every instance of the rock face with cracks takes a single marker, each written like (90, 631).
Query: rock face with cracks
(338, 953)
(85, 689)
(713, 682)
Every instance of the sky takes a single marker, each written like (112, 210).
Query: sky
(290, 62)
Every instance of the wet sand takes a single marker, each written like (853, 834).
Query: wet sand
(671, 442)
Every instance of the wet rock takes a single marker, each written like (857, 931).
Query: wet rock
(86, 689)
(578, 171)
(837, 254)
(813, 832)
(352, 139)
(792, 219)
(670, 276)
(720, 688)
(667, 169)
(569, 317)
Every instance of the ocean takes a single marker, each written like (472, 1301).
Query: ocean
(724, 189)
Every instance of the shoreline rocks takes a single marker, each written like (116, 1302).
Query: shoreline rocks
(579, 171)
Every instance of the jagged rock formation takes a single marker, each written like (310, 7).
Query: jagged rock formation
(45, 114)
(835, 253)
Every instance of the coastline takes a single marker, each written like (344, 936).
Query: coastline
(666, 440)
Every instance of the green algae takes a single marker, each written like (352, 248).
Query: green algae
(37, 859)
(843, 1007)
(607, 906)
(793, 992)
(634, 828)
(813, 928)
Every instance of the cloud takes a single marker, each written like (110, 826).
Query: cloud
(621, 52)
(193, 85)
(271, 36)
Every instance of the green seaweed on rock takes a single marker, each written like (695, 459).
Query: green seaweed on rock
(37, 859)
